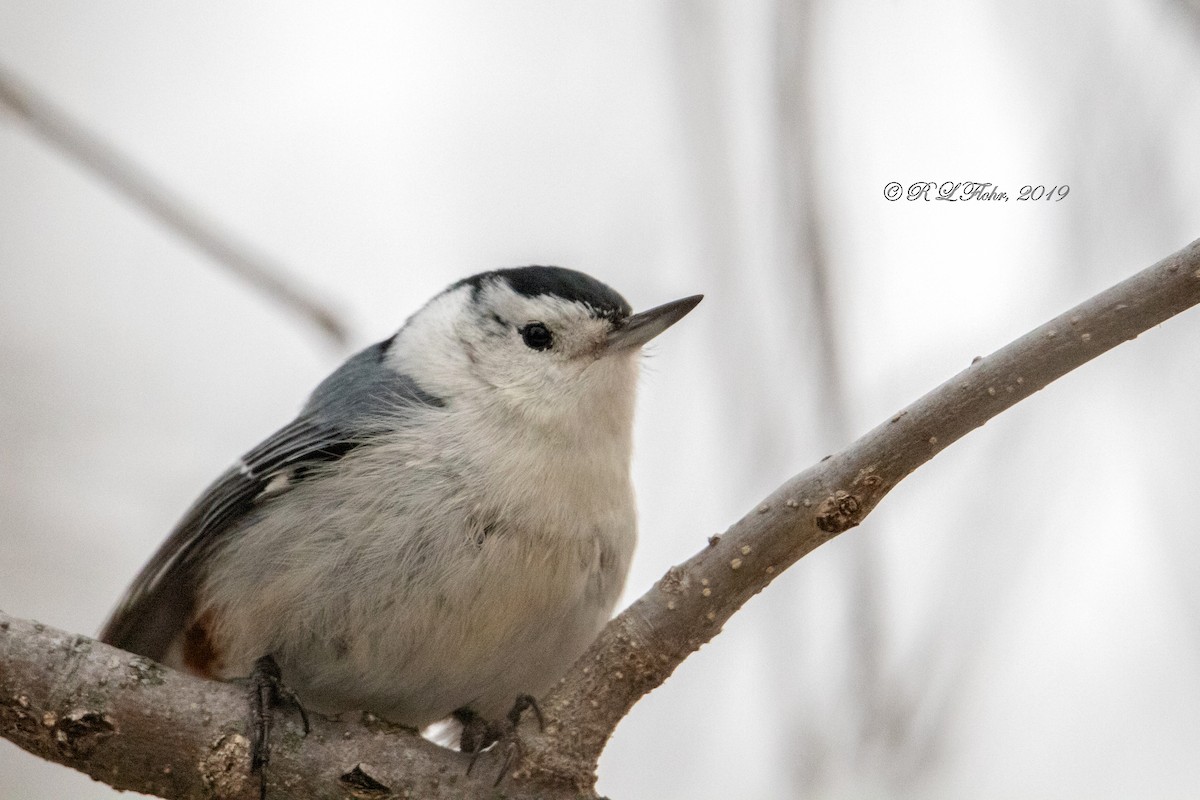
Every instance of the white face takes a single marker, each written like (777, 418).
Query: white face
(542, 357)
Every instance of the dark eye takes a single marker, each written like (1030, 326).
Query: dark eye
(537, 336)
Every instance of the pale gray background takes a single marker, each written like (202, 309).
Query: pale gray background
(1019, 620)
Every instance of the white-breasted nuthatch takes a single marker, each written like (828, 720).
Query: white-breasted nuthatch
(446, 525)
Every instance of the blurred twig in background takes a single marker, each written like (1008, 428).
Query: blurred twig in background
(878, 706)
(1190, 9)
(119, 171)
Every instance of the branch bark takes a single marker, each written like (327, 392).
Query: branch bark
(134, 724)
(137, 725)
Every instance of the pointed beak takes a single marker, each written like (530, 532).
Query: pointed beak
(635, 331)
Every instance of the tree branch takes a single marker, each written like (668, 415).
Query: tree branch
(134, 724)
(137, 725)
(639, 649)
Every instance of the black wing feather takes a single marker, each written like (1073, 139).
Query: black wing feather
(159, 604)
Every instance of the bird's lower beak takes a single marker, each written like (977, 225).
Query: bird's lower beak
(635, 331)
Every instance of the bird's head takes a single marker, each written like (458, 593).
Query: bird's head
(547, 343)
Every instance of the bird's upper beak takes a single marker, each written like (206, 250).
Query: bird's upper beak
(635, 331)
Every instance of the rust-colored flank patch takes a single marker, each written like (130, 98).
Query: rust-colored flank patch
(200, 653)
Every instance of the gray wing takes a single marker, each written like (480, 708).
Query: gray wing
(361, 398)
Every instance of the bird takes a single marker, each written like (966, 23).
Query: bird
(443, 529)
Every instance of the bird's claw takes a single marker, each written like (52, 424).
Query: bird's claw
(479, 734)
(267, 690)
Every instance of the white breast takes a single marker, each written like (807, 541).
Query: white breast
(420, 575)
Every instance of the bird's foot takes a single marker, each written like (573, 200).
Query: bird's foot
(267, 690)
(478, 734)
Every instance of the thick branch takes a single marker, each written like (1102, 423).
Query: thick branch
(640, 648)
(137, 725)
